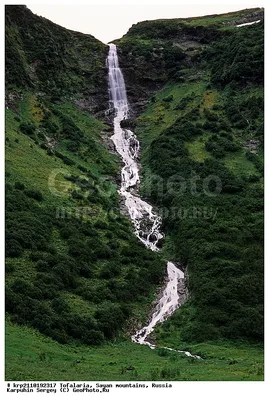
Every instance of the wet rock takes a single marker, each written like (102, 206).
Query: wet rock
(128, 123)
(160, 243)
(108, 142)
(152, 237)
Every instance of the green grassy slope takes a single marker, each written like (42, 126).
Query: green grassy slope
(154, 52)
(201, 141)
(31, 356)
(169, 28)
(74, 269)
(50, 59)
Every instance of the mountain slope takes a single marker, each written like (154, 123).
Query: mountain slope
(55, 61)
(153, 52)
(74, 269)
(47, 360)
(202, 155)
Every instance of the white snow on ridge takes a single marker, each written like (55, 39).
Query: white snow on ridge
(248, 23)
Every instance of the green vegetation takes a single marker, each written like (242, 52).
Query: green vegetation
(158, 61)
(74, 270)
(197, 150)
(201, 26)
(125, 361)
(202, 163)
(228, 58)
(52, 59)
(78, 281)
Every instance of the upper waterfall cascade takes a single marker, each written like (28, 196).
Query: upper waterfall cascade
(146, 222)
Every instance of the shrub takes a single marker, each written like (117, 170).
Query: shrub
(83, 169)
(19, 186)
(110, 270)
(9, 268)
(168, 99)
(50, 126)
(13, 248)
(60, 305)
(34, 194)
(162, 352)
(27, 128)
(43, 266)
(93, 337)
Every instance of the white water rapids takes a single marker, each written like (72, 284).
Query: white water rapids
(146, 222)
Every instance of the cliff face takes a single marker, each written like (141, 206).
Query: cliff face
(55, 61)
(153, 53)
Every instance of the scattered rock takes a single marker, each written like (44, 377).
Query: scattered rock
(108, 142)
(254, 16)
(12, 99)
(252, 145)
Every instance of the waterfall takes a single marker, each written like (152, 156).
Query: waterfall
(146, 222)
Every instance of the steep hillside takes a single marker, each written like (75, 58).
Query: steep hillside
(154, 52)
(74, 270)
(202, 156)
(78, 282)
(54, 61)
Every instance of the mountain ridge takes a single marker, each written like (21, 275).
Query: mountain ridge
(192, 110)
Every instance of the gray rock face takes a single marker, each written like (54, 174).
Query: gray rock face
(254, 16)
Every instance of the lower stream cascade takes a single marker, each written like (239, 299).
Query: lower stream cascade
(145, 221)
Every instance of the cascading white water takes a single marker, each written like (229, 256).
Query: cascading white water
(127, 146)
(146, 222)
(171, 299)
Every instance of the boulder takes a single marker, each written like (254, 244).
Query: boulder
(128, 123)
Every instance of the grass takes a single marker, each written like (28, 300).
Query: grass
(236, 162)
(239, 164)
(160, 114)
(32, 356)
(30, 164)
(26, 161)
(78, 305)
(196, 148)
(23, 268)
(209, 98)
(220, 18)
